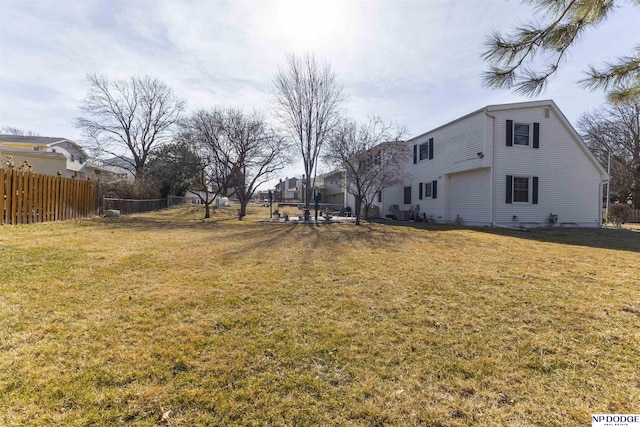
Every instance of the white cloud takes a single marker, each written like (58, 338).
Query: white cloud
(417, 62)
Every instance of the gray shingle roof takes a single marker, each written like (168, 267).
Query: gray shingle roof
(44, 140)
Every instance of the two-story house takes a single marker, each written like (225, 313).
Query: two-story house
(50, 156)
(289, 190)
(511, 164)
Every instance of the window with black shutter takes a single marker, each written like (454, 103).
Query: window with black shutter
(428, 187)
(518, 189)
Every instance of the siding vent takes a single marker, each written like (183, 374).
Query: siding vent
(546, 113)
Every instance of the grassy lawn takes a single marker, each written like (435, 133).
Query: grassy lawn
(165, 318)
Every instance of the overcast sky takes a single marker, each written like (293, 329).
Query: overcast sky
(416, 62)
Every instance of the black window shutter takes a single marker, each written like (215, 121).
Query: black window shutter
(434, 189)
(420, 190)
(534, 191)
(509, 133)
(509, 188)
(430, 148)
(415, 154)
(536, 135)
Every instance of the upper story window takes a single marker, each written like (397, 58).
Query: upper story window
(520, 134)
(523, 134)
(423, 151)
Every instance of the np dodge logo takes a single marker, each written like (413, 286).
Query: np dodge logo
(615, 420)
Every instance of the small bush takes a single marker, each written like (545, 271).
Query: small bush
(619, 213)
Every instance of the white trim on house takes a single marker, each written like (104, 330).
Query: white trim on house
(474, 159)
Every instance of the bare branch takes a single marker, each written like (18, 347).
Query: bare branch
(371, 154)
(238, 151)
(128, 117)
(306, 98)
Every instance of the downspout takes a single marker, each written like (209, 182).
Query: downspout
(493, 175)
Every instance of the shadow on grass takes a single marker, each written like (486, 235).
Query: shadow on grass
(266, 235)
(616, 239)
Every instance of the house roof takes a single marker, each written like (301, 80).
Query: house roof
(529, 104)
(41, 140)
(125, 163)
(24, 152)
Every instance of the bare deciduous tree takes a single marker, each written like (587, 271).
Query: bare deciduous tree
(214, 174)
(10, 130)
(615, 130)
(128, 117)
(238, 151)
(306, 100)
(371, 154)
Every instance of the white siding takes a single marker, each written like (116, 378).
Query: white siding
(455, 149)
(469, 197)
(473, 185)
(569, 183)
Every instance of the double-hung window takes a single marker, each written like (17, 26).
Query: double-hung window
(522, 189)
(523, 134)
(428, 190)
(520, 134)
(423, 151)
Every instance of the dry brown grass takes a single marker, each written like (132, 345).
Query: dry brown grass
(227, 322)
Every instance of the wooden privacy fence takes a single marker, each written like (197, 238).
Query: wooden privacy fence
(29, 198)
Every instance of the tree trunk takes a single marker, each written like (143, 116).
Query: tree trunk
(207, 210)
(307, 191)
(358, 208)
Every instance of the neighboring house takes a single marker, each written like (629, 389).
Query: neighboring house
(502, 165)
(50, 156)
(332, 188)
(120, 166)
(289, 190)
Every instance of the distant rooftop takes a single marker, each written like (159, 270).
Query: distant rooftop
(45, 140)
